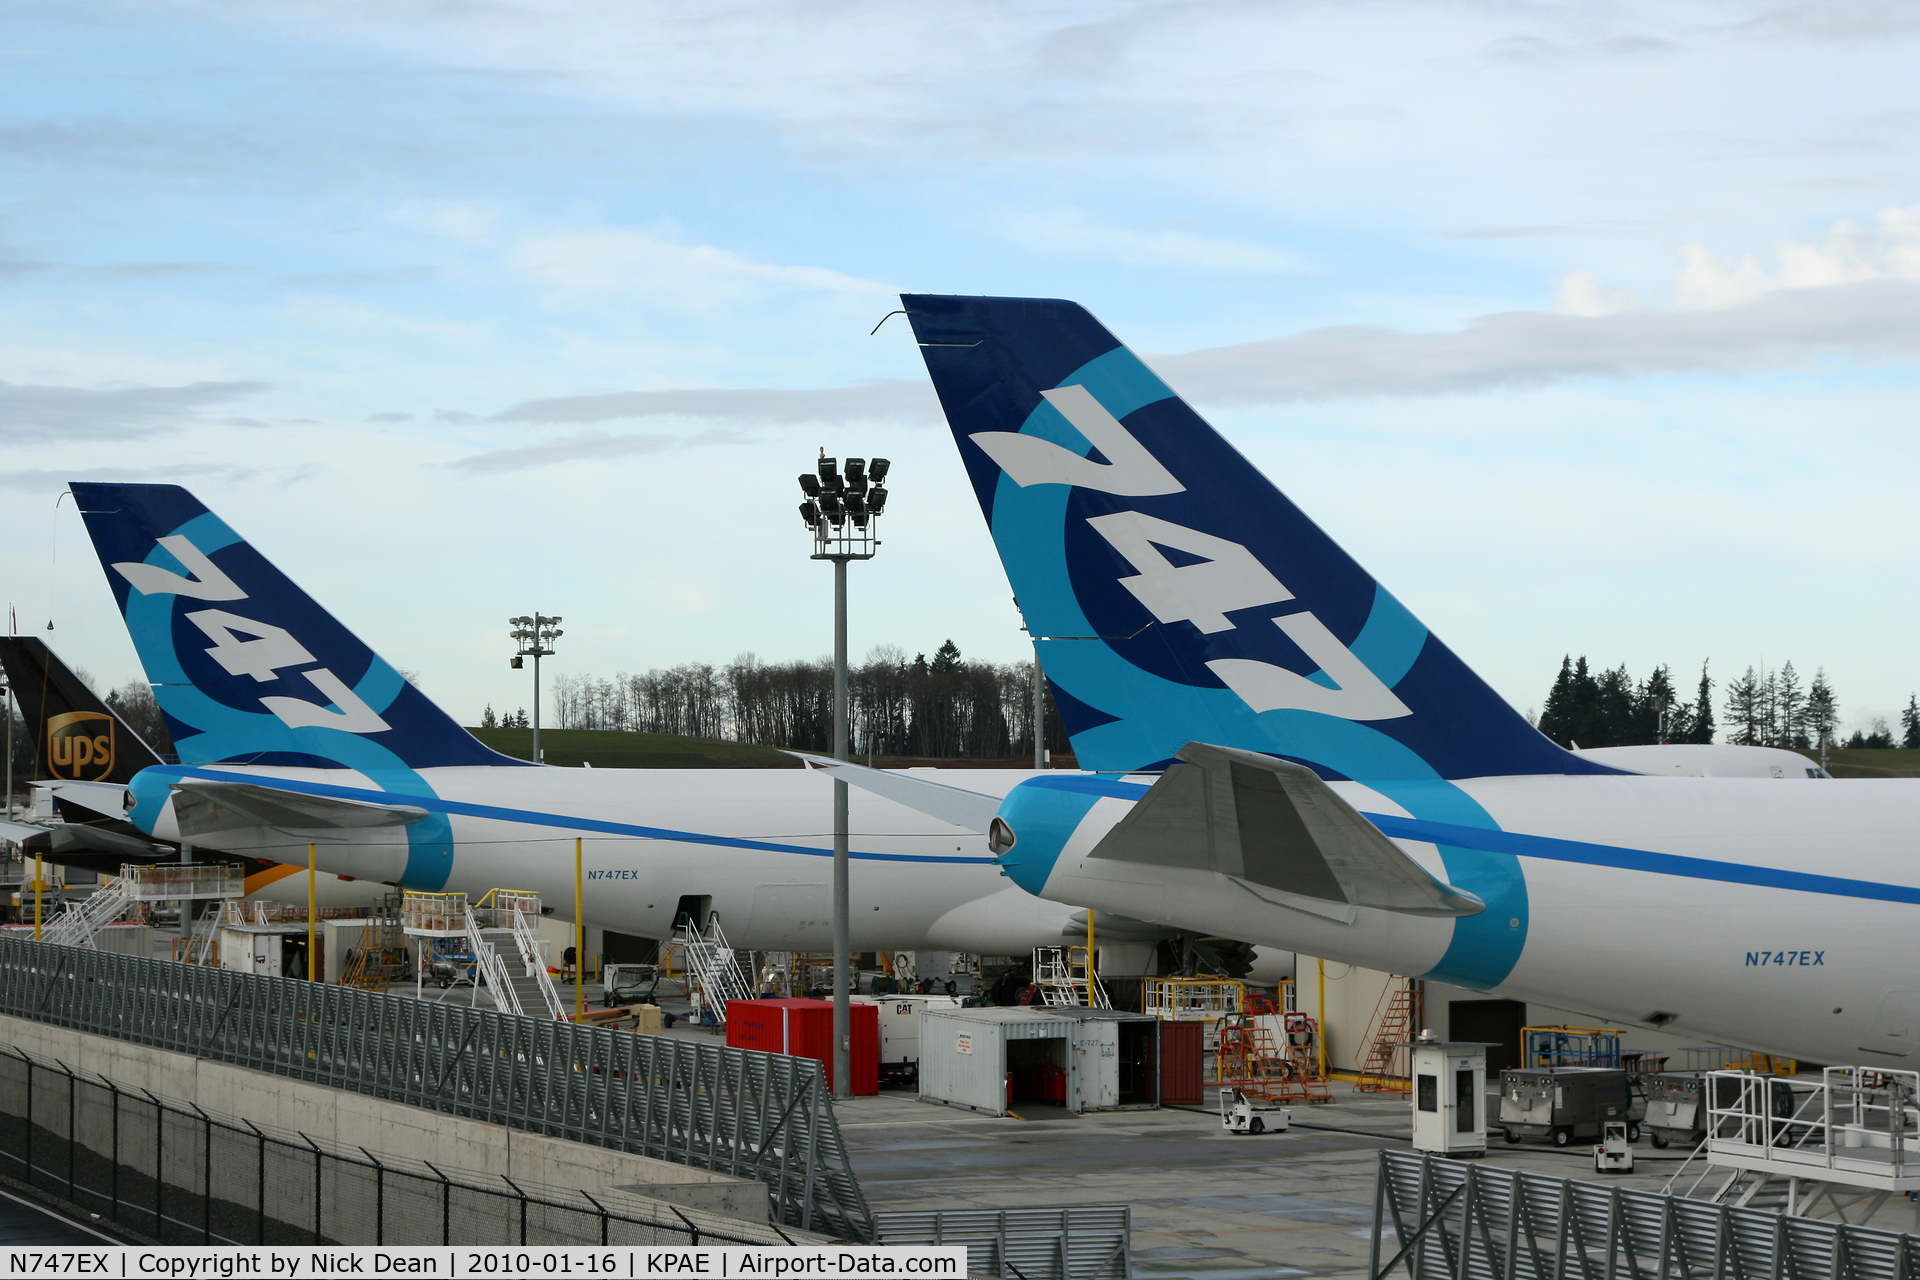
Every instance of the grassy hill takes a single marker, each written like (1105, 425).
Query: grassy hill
(1891, 762)
(608, 749)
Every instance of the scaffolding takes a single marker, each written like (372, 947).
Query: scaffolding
(1066, 979)
(1389, 1031)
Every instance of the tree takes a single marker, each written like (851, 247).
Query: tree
(1701, 730)
(1556, 716)
(1910, 723)
(1823, 710)
(1656, 708)
(1789, 709)
(134, 703)
(1745, 716)
(488, 720)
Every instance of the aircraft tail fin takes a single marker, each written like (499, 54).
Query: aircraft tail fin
(246, 666)
(76, 736)
(1175, 594)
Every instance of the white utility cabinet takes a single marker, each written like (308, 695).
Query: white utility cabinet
(1449, 1098)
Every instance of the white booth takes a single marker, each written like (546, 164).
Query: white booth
(1449, 1097)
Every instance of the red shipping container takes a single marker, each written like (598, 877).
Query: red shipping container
(804, 1028)
(1182, 1058)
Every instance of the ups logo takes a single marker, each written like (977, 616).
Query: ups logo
(80, 745)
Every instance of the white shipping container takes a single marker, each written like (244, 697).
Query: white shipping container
(964, 1053)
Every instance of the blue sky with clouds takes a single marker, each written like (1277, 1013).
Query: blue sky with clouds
(1587, 328)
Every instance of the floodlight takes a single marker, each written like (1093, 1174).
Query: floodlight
(856, 503)
(810, 512)
(554, 620)
(810, 485)
(835, 508)
(515, 663)
(857, 474)
(877, 470)
(830, 480)
(877, 499)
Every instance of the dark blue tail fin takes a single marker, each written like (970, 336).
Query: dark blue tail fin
(1175, 594)
(247, 668)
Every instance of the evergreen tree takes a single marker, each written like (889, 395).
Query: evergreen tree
(1614, 711)
(1790, 708)
(1823, 710)
(1656, 708)
(1745, 718)
(1556, 717)
(488, 720)
(1910, 723)
(1584, 722)
(520, 720)
(1701, 730)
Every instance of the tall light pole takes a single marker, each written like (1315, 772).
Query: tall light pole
(534, 634)
(6, 692)
(843, 513)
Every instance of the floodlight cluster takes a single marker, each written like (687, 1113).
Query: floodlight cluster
(835, 499)
(535, 634)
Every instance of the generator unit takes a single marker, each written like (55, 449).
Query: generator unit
(1564, 1105)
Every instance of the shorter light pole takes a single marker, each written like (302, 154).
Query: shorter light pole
(534, 633)
(7, 690)
(843, 513)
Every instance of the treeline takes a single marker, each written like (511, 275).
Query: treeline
(1762, 708)
(944, 706)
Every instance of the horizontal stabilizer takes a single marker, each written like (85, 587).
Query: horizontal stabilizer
(108, 799)
(202, 808)
(968, 810)
(1281, 832)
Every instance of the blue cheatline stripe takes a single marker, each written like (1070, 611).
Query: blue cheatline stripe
(435, 804)
(1666, 864)
(1091, 784)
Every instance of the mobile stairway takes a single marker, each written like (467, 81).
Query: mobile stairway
(509, 959)
(160, 882)
(713, 965)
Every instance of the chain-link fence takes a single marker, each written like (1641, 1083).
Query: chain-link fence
(752, 1115)
(175, 1174)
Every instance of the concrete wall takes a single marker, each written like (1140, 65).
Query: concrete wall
(385, 1128)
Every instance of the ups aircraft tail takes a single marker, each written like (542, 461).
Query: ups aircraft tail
(76, 736)
(1175, 594)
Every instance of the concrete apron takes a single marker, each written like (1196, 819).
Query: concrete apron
(352, 1120)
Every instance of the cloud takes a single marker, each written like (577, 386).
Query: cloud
(585, 445)
(1072, 233)
(53, 480)
(692, 277)
(391, 415)
(29, 412)
(1847, 253)
(895, 398)
(1877, 319)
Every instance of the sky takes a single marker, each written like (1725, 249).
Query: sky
(1586, 328)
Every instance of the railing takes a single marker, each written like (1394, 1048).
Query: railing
(715, 969)
(439, 915)
(520, 910)
(1194, 999)
(1065, 975)
(1441, 1219)
(754, 1115)
(1858, 1126)
(1077, 1242)
(180, 882)
(180, 1175)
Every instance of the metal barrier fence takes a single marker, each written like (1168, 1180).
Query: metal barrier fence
(1075, 1242)
(753, 1115)
(176, 1175)
(1462, 1220)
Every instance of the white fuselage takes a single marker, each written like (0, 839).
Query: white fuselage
(1797, 932)
(761, 852)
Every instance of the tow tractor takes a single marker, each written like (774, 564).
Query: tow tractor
(1613, 1153)
(1241, 1114)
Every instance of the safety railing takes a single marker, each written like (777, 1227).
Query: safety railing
(177, 1174)
(1441, 1219)
(180, 882)
(1858, 1126)
(1073, 1242)
(437, 915)
(753, 1115)
(76, 926)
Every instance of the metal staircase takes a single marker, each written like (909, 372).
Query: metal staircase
(1063, 975)
(76, 926)
(714, 967)
(511, 960)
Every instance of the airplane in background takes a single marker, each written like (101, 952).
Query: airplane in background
(84, 754)
(1282, 752)
(290, 729)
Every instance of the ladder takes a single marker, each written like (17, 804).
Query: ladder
(1390, 1030)
(1063, 975)
(381, 957)
(713, 966)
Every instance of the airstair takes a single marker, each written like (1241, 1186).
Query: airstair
(160, 882)
(509, 959)
(1064, 976)
(713, 966)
